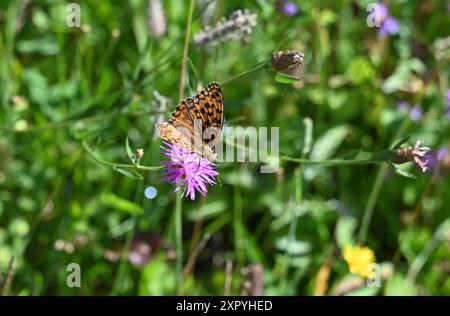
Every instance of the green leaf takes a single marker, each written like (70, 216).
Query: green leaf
(129, 173)
(208, 211)
(398, 285)
(345, 228)
(283, 78)
(401, 142)
(293, 247)
(157, 278)
(403, 172)
(130, 152)
(118, 203)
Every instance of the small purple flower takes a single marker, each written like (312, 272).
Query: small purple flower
(416, 113)
(187, 170)
(389, 26)
(288, 8)
(447, 96)
(383, 11)
(404, 105)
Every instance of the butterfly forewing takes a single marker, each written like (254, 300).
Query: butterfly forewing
(196, 123)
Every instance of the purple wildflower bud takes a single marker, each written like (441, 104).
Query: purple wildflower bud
(383, 11)
(389, 26)
(290, 8)
(187, 170)
(416, 113)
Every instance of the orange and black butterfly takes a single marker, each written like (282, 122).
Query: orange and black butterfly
(196, 123)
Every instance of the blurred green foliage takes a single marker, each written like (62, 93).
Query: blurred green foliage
(62, 86)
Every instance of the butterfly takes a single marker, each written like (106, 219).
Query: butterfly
(196, 123)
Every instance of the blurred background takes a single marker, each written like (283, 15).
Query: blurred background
(77, 81)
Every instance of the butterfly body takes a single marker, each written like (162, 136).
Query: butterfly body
(196, 123)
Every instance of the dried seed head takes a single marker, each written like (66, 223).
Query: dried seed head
(156, 18)
(416, 154)
(139, 153)
(283, 60)
(239, 25)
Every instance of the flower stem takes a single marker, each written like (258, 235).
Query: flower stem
(179, 240)
(237, 223)
(292, 229)
(178, 205)
(376, 189)
(253, 69)
(185, 50)
(90, 151)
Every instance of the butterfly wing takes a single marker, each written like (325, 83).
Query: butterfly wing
(208, 107)
(196, 123)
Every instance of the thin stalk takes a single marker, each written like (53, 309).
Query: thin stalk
(292, 229)
(179, 240)
(117, 165)
(178, 206)
(237, 224)
(253, 69)
(185, 50)
(376, 189)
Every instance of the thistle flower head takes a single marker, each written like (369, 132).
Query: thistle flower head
(187, 170)
(239, 25)
(416, 154)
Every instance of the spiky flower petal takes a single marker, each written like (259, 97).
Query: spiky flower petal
(187, 170)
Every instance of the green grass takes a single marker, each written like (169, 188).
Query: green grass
(69, 193)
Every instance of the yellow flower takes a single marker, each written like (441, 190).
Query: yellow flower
(359, 260)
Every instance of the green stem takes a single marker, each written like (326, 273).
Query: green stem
(376, 189)
(292, 229)
(255, 68)
(117, 165)
(117, 283)
(179, 240)
(331, 162)
(237, 223)
(185, 50)
(178, 205)
(426, 252)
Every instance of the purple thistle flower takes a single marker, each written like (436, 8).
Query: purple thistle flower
(187, 170)
(389, 26)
